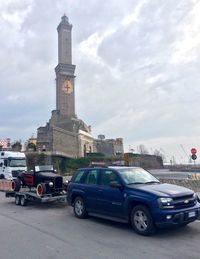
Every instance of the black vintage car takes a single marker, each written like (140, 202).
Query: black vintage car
(43, 178)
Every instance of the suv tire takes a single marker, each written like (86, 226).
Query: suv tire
(142, 221)
(79, 208)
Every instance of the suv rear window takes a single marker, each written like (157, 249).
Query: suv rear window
(78, 177)
(107, 177)
(91, 177)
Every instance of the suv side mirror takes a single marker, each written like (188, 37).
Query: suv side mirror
(116, 184)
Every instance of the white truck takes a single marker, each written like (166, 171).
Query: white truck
(11, 164)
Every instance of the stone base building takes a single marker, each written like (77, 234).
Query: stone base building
(69, 137)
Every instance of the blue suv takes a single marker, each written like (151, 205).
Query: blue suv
(131, 194)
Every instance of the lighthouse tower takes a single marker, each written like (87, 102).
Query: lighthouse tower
(65, 134)
(65, 98)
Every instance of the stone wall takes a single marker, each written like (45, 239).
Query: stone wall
(145, 161)
(65, 142)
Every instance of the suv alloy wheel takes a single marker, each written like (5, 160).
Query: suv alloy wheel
(79, 208)
(141, 220)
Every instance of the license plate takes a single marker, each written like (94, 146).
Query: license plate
(191, 214)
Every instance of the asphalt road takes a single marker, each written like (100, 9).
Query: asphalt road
(51, 231)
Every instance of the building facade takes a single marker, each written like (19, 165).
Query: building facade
(109, 147)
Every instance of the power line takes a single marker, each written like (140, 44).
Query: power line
(184, 150)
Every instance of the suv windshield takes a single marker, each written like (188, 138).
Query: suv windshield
(137, 176)
(17, 162)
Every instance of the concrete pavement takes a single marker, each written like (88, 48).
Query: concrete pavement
(51, 231)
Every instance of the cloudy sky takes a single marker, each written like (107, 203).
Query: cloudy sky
(137, 69)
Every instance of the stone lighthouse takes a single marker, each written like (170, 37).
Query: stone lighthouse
(65, 134)
(65, 99)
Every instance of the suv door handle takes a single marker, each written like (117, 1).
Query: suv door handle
(100, 191)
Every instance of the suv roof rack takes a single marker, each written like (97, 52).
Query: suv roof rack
(106, 164)
(97, 164)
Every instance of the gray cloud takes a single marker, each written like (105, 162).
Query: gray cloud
(137, 68)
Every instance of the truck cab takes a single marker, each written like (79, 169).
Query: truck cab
(11, 164)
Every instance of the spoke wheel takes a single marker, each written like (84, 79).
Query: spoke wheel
(41, 189)
(142, 221)
(79, 208)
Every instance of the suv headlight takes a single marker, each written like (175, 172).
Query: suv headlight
(165, 203)
(195, 197)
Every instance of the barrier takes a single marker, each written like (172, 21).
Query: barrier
(6, 185)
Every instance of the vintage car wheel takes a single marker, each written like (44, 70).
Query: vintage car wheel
(41, 189)
(16, 185)
(17, 200)
(79, 208)
(142, 221)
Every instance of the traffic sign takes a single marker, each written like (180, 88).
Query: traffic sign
(193, 151)
(194, 157)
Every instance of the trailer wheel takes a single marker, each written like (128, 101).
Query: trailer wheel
(23, 201)
(16, 185)
(17, 200)
(41, 189)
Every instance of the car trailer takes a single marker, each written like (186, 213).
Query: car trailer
(26, 195)
(23, 197)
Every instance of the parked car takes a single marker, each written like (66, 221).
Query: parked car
(43, 178)
(131, 194)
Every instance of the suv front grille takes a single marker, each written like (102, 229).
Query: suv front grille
(184, 202)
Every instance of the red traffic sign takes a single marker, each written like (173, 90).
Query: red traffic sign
(193, 151)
